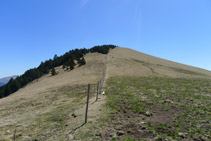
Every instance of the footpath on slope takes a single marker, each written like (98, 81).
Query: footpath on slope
(95, 107)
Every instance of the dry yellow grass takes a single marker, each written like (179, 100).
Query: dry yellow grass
(123, 61)
(43, 96)
(27, 109)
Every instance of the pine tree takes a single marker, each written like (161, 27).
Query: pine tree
(53, 72)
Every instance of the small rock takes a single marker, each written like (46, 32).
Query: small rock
(129, 131)
(208, 136)
(142, 122)
(143, 128)
(203, 138)
(98, 134)
(150, 132)
(73, 115)
(191, 99)
(70, 137)
(159, 139)
(182, 135)
(148, 113)
(167, 101)
(120, 133)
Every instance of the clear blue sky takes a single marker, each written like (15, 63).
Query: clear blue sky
(32, 31)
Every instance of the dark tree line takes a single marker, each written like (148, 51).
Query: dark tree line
(102, 49)
(69, 60)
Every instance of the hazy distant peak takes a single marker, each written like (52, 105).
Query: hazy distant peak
(5, 80)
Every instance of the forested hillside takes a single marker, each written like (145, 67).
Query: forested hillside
(69, 60)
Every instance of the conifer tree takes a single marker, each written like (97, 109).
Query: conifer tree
(53, 72)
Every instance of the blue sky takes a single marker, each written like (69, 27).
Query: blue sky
(32, 31)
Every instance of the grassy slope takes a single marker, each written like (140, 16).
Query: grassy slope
(43, 109)
(127, 62)
(174, 108)
(138, 85)
(143, 108)
(151, 98)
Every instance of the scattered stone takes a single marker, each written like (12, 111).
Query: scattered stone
(167, 101)
(73, 115)
(143, 128)
(142, 122)
(98, 134)
(191, 99)
(182, 135)
(70, 137)
(151, 132)
(203, 138)
(128, 131)
(159, 139)
(208, 136)
(148, 113)
(120, 133)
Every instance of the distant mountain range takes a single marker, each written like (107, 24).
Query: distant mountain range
(5, 80)
(1, 84)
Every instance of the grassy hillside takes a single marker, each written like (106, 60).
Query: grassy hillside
(43, 109)
(127, 62)
(156, 108)
(146, 98)
(68, 61)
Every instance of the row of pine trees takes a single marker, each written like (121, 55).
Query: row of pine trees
(69, 60)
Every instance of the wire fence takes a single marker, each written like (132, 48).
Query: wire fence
(79, 92)
(92, 90)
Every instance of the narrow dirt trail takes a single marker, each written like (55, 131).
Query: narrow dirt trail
(95, 108)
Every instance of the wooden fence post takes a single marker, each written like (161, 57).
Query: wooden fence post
(87, 104)
(14, 135)
(98, 85)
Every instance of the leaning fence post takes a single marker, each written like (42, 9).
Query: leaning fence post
(100, 86)
(97, 90)
(87, 104)
(14, 135)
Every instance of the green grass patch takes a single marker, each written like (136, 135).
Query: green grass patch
(187, 101)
